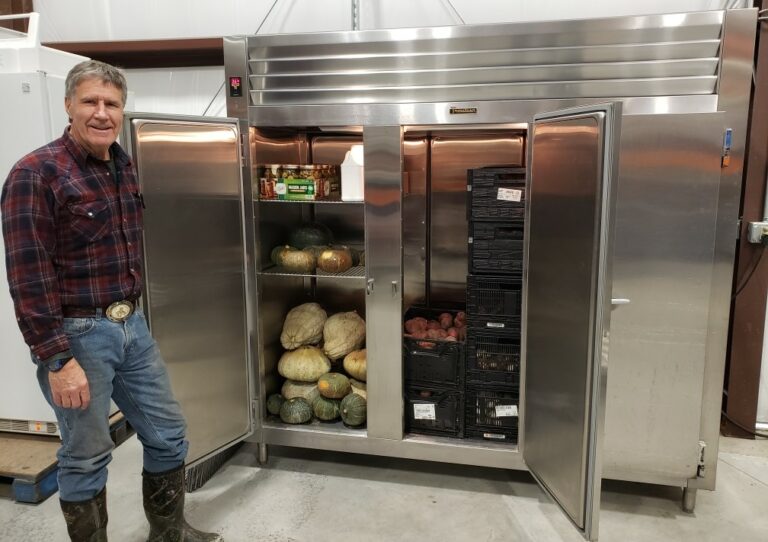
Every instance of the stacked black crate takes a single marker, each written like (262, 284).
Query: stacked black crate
(496, 212)
(434, 380)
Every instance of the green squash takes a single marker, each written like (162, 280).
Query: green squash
(335, 260)
(353, 410)
(297, 261)
(274, 402)
(326, 409)
(333, 385)
(295, 411)
(311, 233)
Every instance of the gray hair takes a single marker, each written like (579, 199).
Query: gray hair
(94, 69)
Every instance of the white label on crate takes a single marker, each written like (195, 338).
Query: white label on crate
(509, 194)
(494, 324)
(506, 411)
(494, 436)
(424, 412)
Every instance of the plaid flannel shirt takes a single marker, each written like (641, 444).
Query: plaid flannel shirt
(72, 237)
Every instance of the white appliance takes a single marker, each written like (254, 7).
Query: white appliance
(32, 113)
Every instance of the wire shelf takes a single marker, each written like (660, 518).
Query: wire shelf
(357, 272)
(319, 201)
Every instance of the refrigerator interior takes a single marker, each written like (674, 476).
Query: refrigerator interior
(434, 226)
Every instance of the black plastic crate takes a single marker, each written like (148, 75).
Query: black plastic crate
(491, 414)
(434, 411)
(433, 361)
(494, 303)
(496, 248)
(493, 357)
(497, 194)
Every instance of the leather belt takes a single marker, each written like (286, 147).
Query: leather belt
(119, 311)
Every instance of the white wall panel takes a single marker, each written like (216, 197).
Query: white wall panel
(101, 20)
(182, 91)
(494, 11)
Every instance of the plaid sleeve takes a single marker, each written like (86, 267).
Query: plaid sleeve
(27, 205)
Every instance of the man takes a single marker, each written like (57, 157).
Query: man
(72, 226)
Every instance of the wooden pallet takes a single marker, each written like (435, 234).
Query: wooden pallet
(28, 464)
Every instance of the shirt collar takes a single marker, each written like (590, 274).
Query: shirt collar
(120, 157)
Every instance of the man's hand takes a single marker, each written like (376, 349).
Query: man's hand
(69, 386)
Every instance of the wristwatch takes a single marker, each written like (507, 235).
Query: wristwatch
(58, 364)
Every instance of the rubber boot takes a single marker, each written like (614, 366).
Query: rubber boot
(86, 520)
(164, 507)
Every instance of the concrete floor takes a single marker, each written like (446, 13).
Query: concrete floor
(315, 496)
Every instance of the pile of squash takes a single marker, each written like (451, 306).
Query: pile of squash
(311, 247)
(314, 342)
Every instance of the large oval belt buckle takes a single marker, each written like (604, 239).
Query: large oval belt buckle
(119, 311)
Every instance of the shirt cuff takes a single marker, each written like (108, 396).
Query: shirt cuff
(66, 354)
(56, 343)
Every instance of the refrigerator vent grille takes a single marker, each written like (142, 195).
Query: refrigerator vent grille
(652, 55)
(26, 426)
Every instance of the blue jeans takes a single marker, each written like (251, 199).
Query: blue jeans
(122, 362)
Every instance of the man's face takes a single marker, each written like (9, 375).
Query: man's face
(96, 111)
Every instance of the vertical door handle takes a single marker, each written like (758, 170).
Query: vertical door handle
(369, 287)
(394, 288)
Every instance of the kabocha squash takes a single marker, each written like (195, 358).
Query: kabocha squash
(274, 402)
(277, 252)
(343, 333)
(335, 260)
(303, 325)
(359, 388)
(306, 390)
(325, 409)
(311, 233)
(296, 410)
(305, 364)
(297, 261)
(355, 364)
(333, 385)
(316, 249)
(353, 410)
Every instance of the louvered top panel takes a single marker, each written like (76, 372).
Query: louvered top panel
(656, 55)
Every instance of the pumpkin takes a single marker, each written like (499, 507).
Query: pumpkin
(325, 409)
(297, 261)
(277, 252)
(305, 364)
(343, 333)
(303, 325)
(296, 410)
(355, 364)
(353, 410)
(311, 233)
(358, 388)
(335, 260)
(333, 385)
(274, 402)
(305, 390)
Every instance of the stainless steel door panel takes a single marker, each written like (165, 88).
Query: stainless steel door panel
(666, 219)
(451, 157)
(190, 173)
(383, 258)
(567, 289)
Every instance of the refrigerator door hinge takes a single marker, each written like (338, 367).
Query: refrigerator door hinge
(701, 471)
